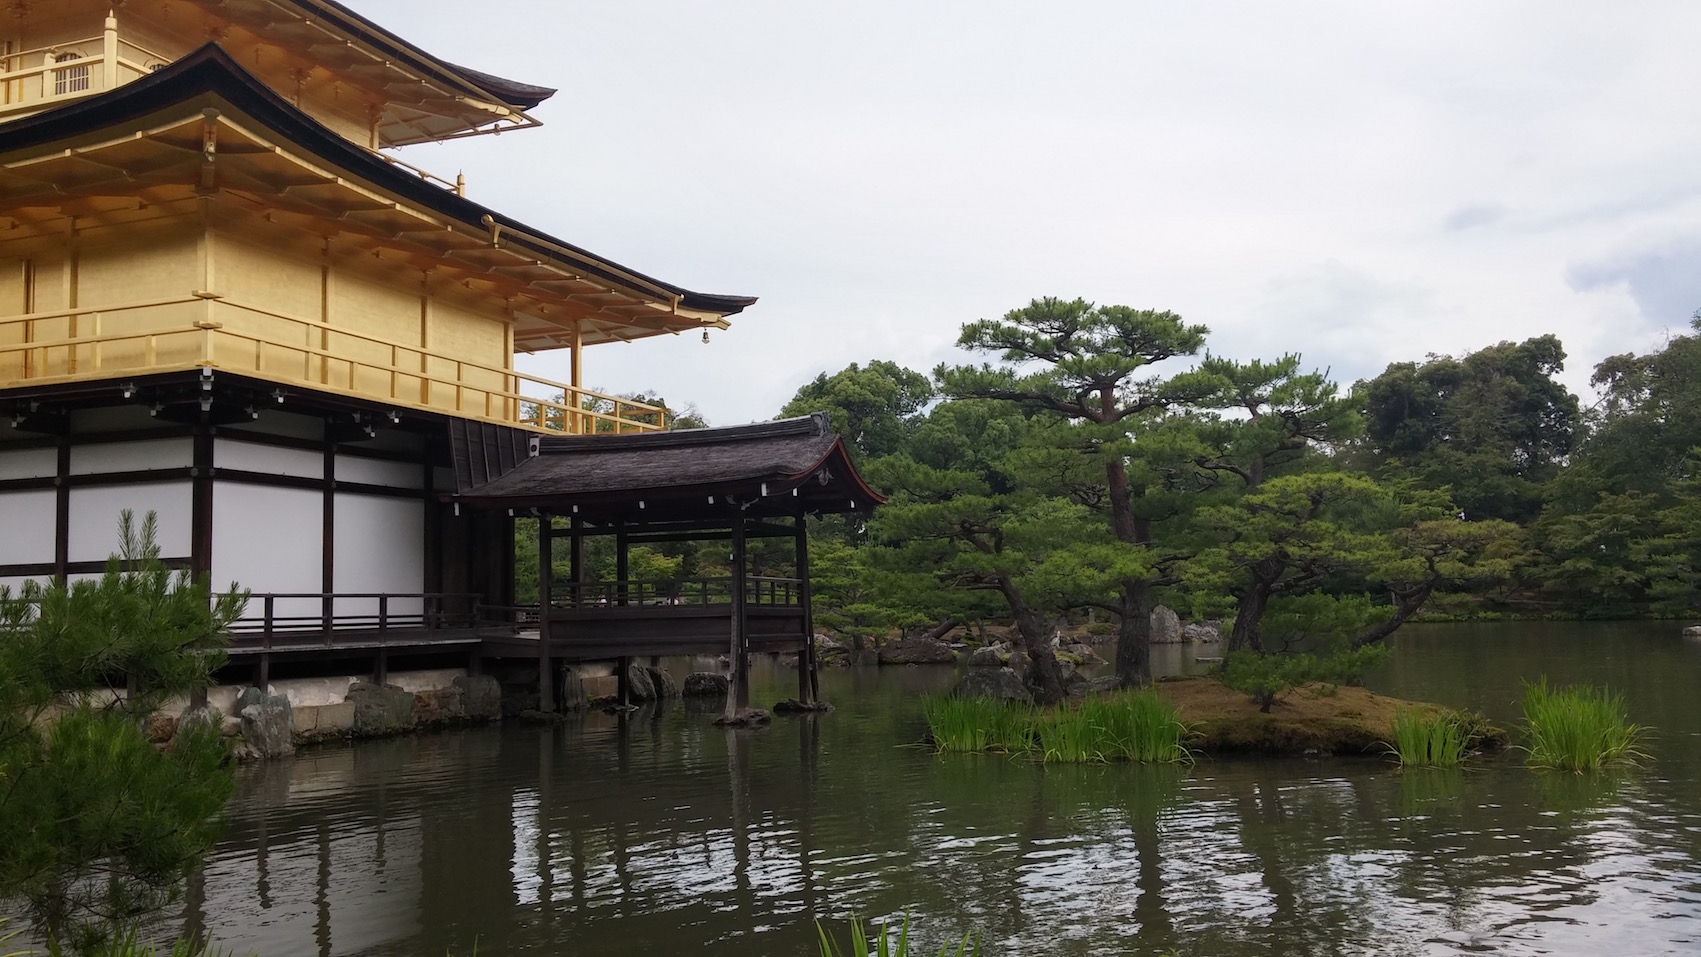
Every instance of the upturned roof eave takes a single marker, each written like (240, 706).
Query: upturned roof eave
(210, 70)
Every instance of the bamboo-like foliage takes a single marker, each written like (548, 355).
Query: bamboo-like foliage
(1579, 728)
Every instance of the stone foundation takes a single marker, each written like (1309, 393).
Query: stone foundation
(269, 723)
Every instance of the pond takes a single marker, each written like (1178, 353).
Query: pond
(669, 834)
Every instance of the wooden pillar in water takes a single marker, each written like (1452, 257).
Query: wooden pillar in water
(738, 691)
(622, 596)
(545, 579)
(808, 684)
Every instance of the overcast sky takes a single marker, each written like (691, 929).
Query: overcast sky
(1360, 182)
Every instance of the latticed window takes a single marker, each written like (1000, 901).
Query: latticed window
(70, 79)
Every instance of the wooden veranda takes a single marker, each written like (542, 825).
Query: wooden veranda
(734, 485)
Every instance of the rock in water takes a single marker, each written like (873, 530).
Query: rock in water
(379, 709)
(917, 651)
(1693, 631)
(706, 684)
(1166, 626)
(662, 682)
(987, 656)
(481, 695)
(746, 718)
(267, 728)
(1001, 684)
(638, 686)
(1203, 632)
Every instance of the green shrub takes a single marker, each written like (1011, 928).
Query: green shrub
(1579, 728)
(1266, 677)
(1429, 741)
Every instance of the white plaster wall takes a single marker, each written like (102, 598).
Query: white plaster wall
(94, 518)
(250, 457)
(379, 547)
(29, 463)
(367, 471)
(131, 456)
(268, 540)
(26, 526)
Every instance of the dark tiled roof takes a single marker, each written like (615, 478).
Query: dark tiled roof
(793, 460)
(513, 93)
(210, 70)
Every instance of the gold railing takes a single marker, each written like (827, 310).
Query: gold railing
(39, 78)
(112, 342)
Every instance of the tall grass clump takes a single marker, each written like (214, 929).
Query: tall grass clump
(1429, 741)
(1129, 726)
(885, 946)
(977, 724)
(1140, 726)
(1579, 728)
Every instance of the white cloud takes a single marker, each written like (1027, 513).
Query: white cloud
(1361, 183)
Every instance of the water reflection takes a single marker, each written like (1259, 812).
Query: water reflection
(661, 831)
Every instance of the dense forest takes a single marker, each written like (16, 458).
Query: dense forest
(1100, 460)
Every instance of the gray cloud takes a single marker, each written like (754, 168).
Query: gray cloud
(1470, 217)
(1664, 278)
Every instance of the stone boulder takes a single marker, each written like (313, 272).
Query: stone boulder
(1166, 626)
(380, 709)
(1084, 653)
(794, 706)
(247, 697)
(481, 696)
(1204, 632)
(917, 651)
(438, 706)
(161, 727)
(988, 656)
(638, 686)
(1693, 631)
(266, 727)
(662, 682)
(570, 692)
(706, 684)
(1104, 684)
(745, 718)
(1001, 684)
(1075, 684)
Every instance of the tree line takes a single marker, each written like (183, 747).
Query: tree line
(1100, 460)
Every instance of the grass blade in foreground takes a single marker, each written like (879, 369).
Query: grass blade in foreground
(885, 946)
(1579, 728)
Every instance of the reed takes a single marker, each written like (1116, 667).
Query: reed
(1429, 741)
(1579, 728)
(1128, 726)
(977, 724)
(884, 945)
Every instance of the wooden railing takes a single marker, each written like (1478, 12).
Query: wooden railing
(45, 76)
(298, 618)
(106, 343)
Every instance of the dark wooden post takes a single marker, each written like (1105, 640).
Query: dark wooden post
(545, 578)
(738, 690)
(622, 561)
(808, 686)
(576, 561)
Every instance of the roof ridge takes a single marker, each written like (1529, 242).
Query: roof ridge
(815, 423)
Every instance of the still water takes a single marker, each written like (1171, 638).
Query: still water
(666, 834)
